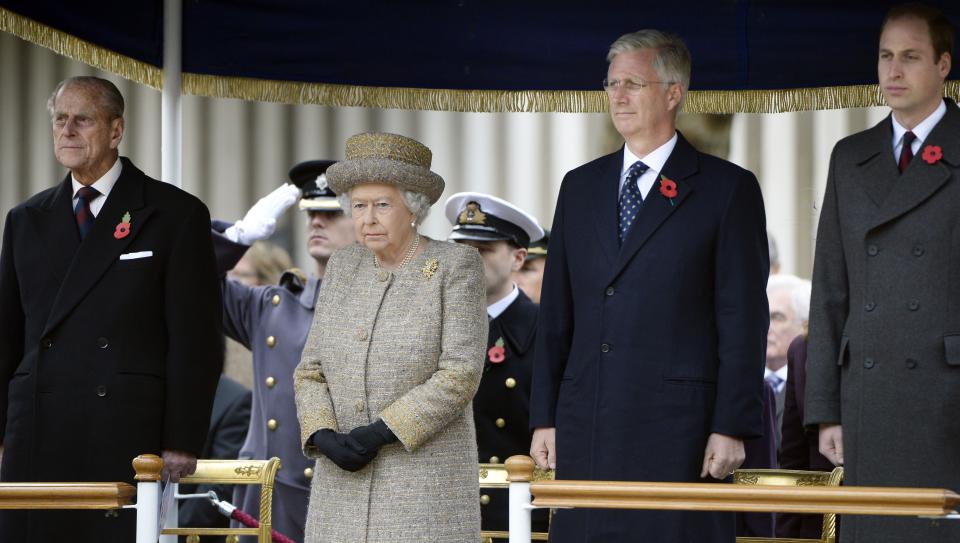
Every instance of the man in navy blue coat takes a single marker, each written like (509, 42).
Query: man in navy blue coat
(652, 333)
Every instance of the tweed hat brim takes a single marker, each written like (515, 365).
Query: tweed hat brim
(346, 174)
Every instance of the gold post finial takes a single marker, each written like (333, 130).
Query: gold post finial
(520, 468)
(148, 467)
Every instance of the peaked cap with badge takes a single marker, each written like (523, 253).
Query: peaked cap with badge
(311, 178)
(481, 217)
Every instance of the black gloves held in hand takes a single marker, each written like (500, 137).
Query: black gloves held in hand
(355, 450)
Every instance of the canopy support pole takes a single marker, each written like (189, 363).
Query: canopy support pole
(171, 132)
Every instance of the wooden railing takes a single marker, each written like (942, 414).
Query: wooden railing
(66, 495)
(712, 497)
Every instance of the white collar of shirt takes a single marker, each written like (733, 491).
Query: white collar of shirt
(654, 161)
(496, 308)
(921, 131)
(103, 185)
(781, 373)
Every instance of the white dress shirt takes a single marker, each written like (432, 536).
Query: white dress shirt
(103, 185)
(654, 161)
(921, 131)
(496, 308)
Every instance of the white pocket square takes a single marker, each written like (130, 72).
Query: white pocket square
(133, 256)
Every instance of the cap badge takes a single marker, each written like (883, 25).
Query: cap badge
(321, 181)
(472, 214)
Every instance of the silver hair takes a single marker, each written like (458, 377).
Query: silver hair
(799, 293)
(773, 251)
(111, 101)
(672, 62)
(416, 202)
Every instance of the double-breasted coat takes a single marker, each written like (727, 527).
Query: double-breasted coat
(884, 343)
(644, 350)
(406, 347)
(111, 347)
(272, 321)
(501, 408)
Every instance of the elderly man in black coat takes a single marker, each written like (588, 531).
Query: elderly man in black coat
(110, 312)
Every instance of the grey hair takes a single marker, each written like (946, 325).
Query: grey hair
(417, 203)
(672, 62)
(111, 101)
(799, 293)
(773, 251)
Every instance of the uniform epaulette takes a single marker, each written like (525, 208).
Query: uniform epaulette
(293, 280)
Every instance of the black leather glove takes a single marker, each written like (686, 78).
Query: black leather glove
(373, 436)
(343, 450)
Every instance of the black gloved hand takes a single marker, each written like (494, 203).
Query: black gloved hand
(343, 450)
(373, 436)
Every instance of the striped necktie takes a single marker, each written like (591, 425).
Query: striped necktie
(82, 211)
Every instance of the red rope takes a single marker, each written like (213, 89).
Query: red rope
(251, 522)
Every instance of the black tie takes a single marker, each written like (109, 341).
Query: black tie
(84, 216)
(906, 154)
(630, 199)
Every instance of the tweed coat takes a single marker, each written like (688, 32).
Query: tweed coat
(104, 357)
(884, 344)
(406, 347)
(644, 350)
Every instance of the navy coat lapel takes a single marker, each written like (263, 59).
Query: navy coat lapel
(880, 172)
(56, 225)
(99, 250)
(682, 164)
(606, 197)
(921, 179)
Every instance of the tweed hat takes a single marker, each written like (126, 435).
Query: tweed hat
(375, 157)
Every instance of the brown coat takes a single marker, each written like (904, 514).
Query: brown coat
(407, 347)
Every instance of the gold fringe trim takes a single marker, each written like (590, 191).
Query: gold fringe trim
(72, 47)
(293, 92)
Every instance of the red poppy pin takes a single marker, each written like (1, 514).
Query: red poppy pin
(123, 229)
(668, 188)
(497, 353)
(932, 154)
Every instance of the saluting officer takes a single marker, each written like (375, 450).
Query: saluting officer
(273, 322)
(502, 232)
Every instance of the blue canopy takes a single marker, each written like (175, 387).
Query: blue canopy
(472, 55)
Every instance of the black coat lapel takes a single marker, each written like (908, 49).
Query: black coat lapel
(921, 179)
(99, 250)
(56, 226)
(683, 163)
(879, 172)
(605, 204)
(517, 324)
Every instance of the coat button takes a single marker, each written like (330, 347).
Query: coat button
(500, 423)
(913, 305)
(868, 363)
(308, 473)
(510, 382)
(872, 250)
(275, 300)
(869, 306)
(101, 391)
(102, 342)
(918, 250)
(911, 363)
(271, 341)
(46, 343)
(272, 424)
(484, 499)
(362, 335)
(494, 459)
(270, 382)
(610, 291)
(604, 348)
(359, 406)
(382, 276)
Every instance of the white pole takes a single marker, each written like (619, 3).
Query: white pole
(171, 132)
(171, 511)
(520, 512)
(148, 511)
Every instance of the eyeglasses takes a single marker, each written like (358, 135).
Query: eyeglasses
(629, 85)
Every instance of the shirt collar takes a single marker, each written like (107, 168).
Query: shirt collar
(103, 185)
(782, 372)
(496, 308)
(655, 160)
(922, 130)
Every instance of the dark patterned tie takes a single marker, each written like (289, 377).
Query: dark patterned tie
(630, 199)
(84, 217)
(906, 154)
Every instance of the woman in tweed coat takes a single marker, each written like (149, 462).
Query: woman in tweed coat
(392, 362)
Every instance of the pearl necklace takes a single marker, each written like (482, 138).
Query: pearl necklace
(410, 252)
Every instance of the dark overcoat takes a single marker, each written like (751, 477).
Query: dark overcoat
(643, 351)
(103, 358)
(884, 344)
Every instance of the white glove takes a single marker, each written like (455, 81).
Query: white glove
(260, 222)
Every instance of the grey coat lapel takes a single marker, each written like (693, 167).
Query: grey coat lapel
(99, 250)
(879, 171)
(921, 180)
